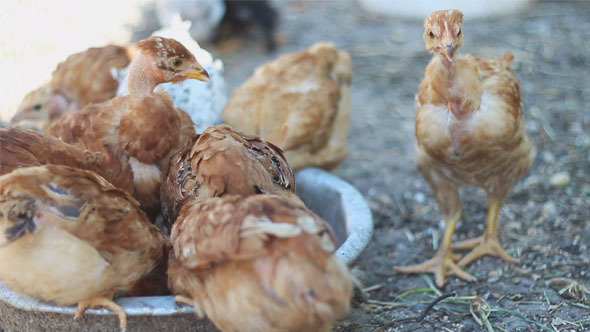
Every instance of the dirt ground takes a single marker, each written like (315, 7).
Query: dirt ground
(546, 226)
(545, 221)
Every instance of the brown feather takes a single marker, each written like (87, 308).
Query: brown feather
(309, 91)
(25, 148)
(223, 161)
(81, 79)
(90, 239)
(144, 127)
(258, 263)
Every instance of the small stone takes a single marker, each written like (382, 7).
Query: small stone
(549, 210)
(548, 157)
(495, 273)
(559, 179)
(419, 198)
(557, 321)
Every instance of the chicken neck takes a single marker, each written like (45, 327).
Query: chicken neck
(141, 82)
(462, 91)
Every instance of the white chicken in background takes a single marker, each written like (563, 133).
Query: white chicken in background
(203, 102)
(205, 15)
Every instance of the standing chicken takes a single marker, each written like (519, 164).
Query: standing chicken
(222, 161)
(260, 263)
(143, 127)
(470, 130)
(309, 91)
(83, 78)
(69, 236)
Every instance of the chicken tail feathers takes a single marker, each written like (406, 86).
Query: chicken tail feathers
(279, 136)
(507, 59)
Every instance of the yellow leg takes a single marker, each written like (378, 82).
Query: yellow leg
(442, 264)
(488, 243)
(103, 302)
(188, 301)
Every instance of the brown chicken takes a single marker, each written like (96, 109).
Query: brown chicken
(223, 161)
(310, 92)
(470, 130)
(69, 236)
(83, 78)
(261, 263)
(21, 147)
(143, 127)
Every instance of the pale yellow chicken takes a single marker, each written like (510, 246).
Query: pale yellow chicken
(69, 236)
(309, 92)
(143, 127)
(260, 263)
(470, 131)
(81, 79)
(222, 161)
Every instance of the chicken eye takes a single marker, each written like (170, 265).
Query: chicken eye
(176, 62)
(431, 34)
(37, 107)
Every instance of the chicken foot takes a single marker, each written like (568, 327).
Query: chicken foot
(103, 302)
(443, 262)
(486, 244)
(190, 302)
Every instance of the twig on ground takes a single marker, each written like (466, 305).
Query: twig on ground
(433, 303)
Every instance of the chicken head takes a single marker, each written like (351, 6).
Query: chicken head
(442, 32)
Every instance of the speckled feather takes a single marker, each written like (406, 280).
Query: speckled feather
(223, 161)
(258, 263)
(79, 218)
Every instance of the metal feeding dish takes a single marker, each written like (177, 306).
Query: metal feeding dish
(333, 199)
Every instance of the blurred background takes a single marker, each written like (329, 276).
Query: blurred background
(546, 218)
(35, 35)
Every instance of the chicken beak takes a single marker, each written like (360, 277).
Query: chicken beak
(20, 116)
(197, 73)
(448, 52)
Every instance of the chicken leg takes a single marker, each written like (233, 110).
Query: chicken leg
(442, 264)
(190, 302)
(488, 243)
(103, 302)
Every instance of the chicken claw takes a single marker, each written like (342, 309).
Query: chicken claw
(441, 265)
(103, 302)
(483, 245)
(443, 262)
(486, 244)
